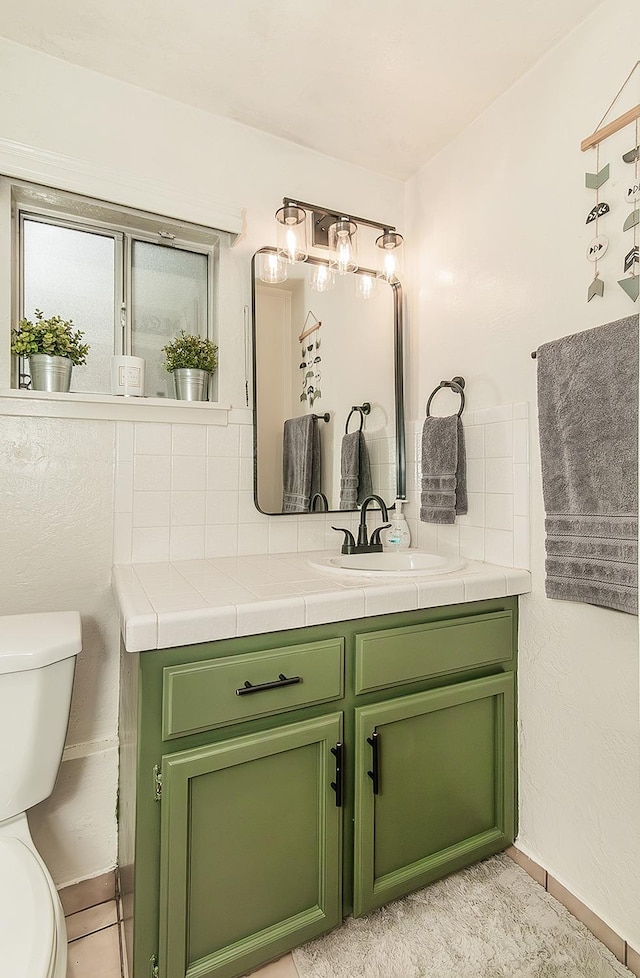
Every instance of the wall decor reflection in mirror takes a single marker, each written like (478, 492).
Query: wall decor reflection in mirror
(328, 388)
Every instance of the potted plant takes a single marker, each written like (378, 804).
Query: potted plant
(52, 348)
(191, 359)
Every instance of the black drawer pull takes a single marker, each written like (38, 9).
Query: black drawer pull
(338, 752)
(276, 684)
(374, 741)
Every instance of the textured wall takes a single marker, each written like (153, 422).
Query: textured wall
(499, 267)
(56, 526)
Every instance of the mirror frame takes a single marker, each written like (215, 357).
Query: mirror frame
(398, 371)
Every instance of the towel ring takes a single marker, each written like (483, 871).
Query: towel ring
(362, 409)
(456, 385)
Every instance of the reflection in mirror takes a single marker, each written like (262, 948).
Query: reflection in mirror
(322, 359)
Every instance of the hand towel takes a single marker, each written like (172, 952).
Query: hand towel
(355, 471)
(444, 470)
(300, 463)
(588, 426)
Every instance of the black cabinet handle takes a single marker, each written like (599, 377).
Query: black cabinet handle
(276, 684)
(338, 753)
(374, 741)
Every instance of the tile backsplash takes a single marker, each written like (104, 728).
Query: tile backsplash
(185, 492)
(496, 527)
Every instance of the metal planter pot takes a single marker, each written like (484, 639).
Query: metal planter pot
(191, 384)
(50, 373)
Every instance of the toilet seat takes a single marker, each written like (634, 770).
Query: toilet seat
(27, 919)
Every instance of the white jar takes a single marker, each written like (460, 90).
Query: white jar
(127, 376)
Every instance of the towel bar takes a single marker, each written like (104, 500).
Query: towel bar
(456, 385)
(321, 417)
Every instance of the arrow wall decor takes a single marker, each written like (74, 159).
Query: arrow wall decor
(593, 181)
(632, 220)
(631, 286)
(596, 288)
(598, 211)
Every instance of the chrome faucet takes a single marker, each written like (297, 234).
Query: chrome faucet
(364, 545)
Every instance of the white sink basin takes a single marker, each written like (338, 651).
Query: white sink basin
(406, 563)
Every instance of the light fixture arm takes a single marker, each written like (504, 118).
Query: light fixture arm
(338, 214)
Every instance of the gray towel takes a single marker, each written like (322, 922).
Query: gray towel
(355, 471)
(300, 463)
(588, 422)
(444, 470)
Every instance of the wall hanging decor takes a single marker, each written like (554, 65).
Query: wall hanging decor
(599, 245)
(310, 359)
(631, 283)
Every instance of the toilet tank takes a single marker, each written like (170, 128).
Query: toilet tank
(37, 661)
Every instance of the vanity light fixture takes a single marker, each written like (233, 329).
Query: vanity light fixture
(271, 268)
(366, 285)
(343, 246)
(291, 222)
(323, 278)
(338, 232)
(391, 244)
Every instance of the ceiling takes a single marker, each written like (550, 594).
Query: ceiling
(381, 83)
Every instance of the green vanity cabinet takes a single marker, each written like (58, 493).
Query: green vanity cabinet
(253, 814)
(250, 850)
(434, 786)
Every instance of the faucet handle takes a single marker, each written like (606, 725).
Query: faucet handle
(375, 536)
(349, 543)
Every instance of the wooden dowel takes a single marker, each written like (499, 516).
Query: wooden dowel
(309, 331)
(610, 128)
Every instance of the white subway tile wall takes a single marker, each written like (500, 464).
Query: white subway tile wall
(185, 492)
(496, 527)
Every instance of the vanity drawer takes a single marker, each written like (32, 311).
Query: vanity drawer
(203, 695)
(406, 655)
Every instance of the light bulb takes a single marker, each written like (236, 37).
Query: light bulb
(322, 278)
(291, 228)
(391, 244)
(366, 286)
(343, 249)
(272, 269)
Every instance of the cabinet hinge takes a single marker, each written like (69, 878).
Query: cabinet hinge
(155, 970)
(157, 783)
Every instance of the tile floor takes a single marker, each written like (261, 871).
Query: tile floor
(95, 949)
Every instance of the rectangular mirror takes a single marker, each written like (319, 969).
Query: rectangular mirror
(352, 359)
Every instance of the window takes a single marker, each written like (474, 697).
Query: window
(129, 280)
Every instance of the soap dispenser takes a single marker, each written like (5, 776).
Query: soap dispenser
(397, 537)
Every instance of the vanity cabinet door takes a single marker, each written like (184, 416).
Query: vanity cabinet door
(250, 849)
(439, 795)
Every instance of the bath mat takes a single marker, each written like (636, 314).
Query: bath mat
(488, 921)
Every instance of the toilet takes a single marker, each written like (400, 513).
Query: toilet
(37, 661)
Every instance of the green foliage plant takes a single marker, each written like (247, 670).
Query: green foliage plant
(54, 337)
(190, 352)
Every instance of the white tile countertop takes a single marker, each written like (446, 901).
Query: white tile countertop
(189, 601)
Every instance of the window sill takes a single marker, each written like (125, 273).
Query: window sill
(109, 407)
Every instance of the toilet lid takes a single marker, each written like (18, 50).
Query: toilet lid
(27, 922)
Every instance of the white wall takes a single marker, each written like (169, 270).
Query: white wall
(57, 476)
(498, 220)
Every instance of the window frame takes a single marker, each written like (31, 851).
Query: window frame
(125, 225)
